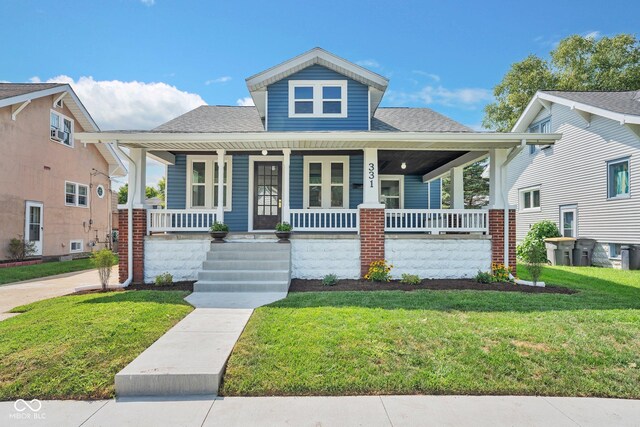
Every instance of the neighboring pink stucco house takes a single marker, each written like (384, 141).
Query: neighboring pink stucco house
(54, 190)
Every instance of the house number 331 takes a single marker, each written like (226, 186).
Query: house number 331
(372, 174)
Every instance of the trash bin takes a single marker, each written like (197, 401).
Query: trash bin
(583, 252)
(630, 257)
(560, 250)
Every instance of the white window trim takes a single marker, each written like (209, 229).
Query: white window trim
(71, 250)
(209, 167)
(613, 162)
(61, 118)
(77, 193)
(98, 188)
(317, 98)
(521, 193)
(569, 208)
(326, 187)
(399, 178)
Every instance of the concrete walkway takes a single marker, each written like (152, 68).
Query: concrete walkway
(20, 293)
(370, 411)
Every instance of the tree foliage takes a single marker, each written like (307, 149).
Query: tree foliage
(578, 63)
(532, 249)
(150, 192)
(476, 188)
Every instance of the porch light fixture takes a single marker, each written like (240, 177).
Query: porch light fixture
(403, 165)
(265, 152)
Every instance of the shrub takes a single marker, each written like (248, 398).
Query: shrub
(164, 279)
(219, 226)
(330, 280)
(535, 237)
(19, 249)
(103, 260)
(283, 227)
(484, 277)
(410, 279)
(379, 271)
(535, 259)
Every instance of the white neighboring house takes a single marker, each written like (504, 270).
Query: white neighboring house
(589, 181)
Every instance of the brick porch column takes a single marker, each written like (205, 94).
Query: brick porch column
(496, 230)
(371, 237)
(139, 231)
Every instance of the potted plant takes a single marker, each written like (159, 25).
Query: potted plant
(283, 231)
(218, 231)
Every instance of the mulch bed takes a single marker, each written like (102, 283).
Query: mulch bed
(302, 285)
(176, 286)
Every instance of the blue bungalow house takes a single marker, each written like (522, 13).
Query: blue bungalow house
(358, 182)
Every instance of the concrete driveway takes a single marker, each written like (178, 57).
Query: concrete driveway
(21, 293)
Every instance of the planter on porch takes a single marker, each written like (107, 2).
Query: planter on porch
(218, 231)
(283, 231)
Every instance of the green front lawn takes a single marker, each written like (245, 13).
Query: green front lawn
(28, 272)
(448, 342)
(71, 347)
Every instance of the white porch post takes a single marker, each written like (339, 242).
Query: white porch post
(497, 157)
(138, 180)
(286, 217)
(457, 188)
(371, 198)
(220, 207)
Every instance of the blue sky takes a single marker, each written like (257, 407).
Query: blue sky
(136, 64)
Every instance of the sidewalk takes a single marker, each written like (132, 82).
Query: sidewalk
(369, 411)
(21, 293)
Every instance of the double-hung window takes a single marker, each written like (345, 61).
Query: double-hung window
(202, 185)
(530, 199)
(618, 179)
(543, 126)
(391, 190)
(61, 128)
(317, 98)
(326, 181)
(76, 194)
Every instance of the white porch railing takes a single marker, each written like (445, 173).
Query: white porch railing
(436, 220)
(324, 219)
(168, 220)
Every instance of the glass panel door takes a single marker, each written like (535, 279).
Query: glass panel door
(267, 198)
(568, 222)
(33, 228)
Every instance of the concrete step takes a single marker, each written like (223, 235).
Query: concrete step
(239, 254)
(246, 264)
(250, 247)
(250, 275)
(241, 286)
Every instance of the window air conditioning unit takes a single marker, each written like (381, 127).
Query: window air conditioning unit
(54, 134)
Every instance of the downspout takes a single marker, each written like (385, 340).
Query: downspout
(132, 165)
(505, 201)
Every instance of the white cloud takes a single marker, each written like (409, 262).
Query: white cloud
(35, 79)
(245, 102)
(222, 79)
(434, 77)
(439, 95)
(368, 63)
(148, 2)
(136, 105)
(593, 35)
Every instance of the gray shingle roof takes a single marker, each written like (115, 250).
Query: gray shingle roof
(9, 90)
(215, 119)
(627, 102)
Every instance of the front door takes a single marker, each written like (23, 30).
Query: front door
(33, 229)
(267, 195)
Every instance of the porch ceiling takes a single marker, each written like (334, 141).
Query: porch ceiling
(417, 162)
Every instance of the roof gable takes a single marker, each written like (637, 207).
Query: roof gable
(257, 84)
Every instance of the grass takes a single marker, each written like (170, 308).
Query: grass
(28, 272)
(448, 342)
(71, 347)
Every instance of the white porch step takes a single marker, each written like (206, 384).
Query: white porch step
(246, 264)
(239, 254)
(241, 286)
(250, 247)
(250, 275)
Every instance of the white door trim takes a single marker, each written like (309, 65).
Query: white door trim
(569, 208)
(252, 160)
(27, 221)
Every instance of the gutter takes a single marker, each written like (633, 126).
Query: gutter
(505, 200)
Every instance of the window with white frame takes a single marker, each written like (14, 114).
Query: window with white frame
(618, 178)
(391, 191)
(543, 126)
(530, 199)
(76, 194)
(202, 185)
(614, 250)
(326, 182)
(317, 98)
(76, 246)
(61, 129)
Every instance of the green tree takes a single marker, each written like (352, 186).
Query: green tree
(162, 188)
(578, 63)
(124, 191)
(476, 188)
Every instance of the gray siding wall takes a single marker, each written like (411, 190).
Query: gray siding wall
(574, 172)
(278, 104)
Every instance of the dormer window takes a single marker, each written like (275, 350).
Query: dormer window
(317, 98)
